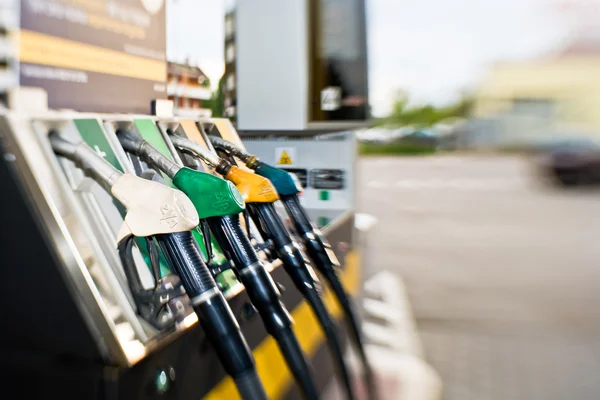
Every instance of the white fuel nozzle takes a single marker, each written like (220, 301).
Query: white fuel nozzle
(153, 208)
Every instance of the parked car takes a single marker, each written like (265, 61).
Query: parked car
(571, 162)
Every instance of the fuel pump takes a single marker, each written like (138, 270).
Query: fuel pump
(219, 204)
(260, 195)
(165, 217)
(316, 245)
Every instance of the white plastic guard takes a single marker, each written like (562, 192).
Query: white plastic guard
(153, 208)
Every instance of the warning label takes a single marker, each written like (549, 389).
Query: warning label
(285, 159)
(285, 155)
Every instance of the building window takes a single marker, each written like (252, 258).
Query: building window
(227, 102)
(230, 53)
(230, 82)
(228, 26)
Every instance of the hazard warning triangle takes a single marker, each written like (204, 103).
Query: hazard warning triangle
(284, 159)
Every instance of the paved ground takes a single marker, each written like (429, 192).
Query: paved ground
(503, 272)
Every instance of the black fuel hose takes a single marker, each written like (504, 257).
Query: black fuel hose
(265, 296)
(215, 316)
(150, 306)
(305, 281)
(316, 247)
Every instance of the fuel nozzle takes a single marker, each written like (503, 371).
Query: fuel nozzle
(166, 216)
(234, 150)
(185, 144)
(143, 218)
(141, 148)
(86, 159)
(147, 202)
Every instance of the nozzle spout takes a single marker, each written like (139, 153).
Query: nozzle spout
(139, 147)
(185, 144)
(230, 148)
(86, 159)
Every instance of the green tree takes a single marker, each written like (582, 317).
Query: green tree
(426, 115)
(216, 100)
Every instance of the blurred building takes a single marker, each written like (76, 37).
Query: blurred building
(228, 83)
(531, 101)
(296, 66)
(189, 89)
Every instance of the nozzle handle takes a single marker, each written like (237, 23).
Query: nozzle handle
(183, 255)
(223, 144)
(297, 214)
(141, 148)
(259, 284)
(224, 333)
(250, 387)
(287, 251)
(214, 314)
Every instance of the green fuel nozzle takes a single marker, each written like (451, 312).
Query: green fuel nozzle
(211, 195)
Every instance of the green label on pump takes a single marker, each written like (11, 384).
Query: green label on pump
(92, 133)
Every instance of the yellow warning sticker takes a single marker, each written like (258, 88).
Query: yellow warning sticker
(285, 159)
(285, 155)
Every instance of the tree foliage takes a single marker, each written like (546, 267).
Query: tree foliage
(403, 113)
(215, 103)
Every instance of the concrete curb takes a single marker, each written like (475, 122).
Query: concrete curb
(394, 347)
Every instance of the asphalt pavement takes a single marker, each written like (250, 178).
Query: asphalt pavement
(502, 270)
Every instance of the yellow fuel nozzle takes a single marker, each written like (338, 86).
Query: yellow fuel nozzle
(254, 188)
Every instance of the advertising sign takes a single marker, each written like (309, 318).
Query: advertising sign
(95, 55)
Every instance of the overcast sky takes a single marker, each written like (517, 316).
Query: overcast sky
(433, 49)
